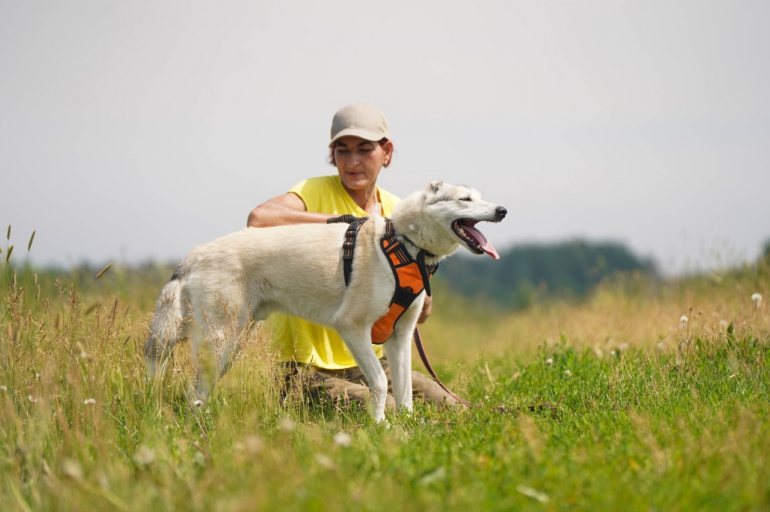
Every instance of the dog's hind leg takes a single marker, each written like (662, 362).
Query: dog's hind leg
(165, 328)
(221, 335)
(359, 342)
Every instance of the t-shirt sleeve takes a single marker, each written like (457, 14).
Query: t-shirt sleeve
(311, 191)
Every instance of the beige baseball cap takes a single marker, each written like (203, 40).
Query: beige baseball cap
(360, 120)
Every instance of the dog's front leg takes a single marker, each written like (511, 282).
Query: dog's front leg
(359, 343)
(399, 351)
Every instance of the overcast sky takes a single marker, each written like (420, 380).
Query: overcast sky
(136, 130)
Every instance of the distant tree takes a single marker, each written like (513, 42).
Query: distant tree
(526, 271)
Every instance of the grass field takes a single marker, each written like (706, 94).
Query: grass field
(654, 413)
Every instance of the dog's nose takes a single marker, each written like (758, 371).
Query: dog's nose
(501, 212)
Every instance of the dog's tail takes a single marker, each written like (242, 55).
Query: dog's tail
(166, 327)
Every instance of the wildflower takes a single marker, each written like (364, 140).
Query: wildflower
(72, 469)
(3, 388)
(723, 324)
(199, 459)
(286, 425)
(324, 461)
(757, 298)
(144, 456)
(567, 373)
(549, 361)
(683, 322)
(198, 403)
(89, 401)
(254, 445)
(32, 399)
(343, 439)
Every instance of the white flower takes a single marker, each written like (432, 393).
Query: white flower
(549, 361)
(343, 439)
(722, 324)
(32, 399)
(198, 403)
(4, 388)
(683, 321)
(757, 298)
(144, 456)
(89, 401)
(567, 373)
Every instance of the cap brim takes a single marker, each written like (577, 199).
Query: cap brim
(358, 132)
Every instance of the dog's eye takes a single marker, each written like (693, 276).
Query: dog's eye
(466, 199)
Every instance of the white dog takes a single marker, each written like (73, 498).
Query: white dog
(298, 270)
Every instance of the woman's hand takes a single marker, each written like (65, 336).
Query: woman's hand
(427, 306)
(282, 211)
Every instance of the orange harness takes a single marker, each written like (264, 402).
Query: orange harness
(412, 274)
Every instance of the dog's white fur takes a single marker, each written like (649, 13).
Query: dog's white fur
(298, 270)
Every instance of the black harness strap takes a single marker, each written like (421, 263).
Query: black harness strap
(349, 245)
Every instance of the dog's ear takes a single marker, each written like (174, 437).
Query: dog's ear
(433, 186)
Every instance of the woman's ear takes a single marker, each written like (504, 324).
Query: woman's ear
(388, 148)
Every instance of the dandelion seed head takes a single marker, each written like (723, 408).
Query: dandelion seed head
(757, 298)
(723, 324)
(198, 403)
(567, 373)
(89, 401)
(549, 361)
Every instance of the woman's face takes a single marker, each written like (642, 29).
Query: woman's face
(359, 161)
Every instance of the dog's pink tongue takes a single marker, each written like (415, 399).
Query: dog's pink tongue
(485, 244)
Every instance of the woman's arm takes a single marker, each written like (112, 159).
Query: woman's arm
(290, 209)
(283, 210)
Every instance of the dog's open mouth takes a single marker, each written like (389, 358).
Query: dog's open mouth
(475, 239)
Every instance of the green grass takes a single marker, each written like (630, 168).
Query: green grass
(677, 421)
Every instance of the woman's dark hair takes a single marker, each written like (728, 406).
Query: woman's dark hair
(333, 161)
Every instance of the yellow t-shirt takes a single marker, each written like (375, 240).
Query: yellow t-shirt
(297, 339)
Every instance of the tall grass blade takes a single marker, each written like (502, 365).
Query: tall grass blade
(103, 271)
(31, 239)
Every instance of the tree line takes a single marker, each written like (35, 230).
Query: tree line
(527, 271)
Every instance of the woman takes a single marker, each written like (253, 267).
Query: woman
(360, 148)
